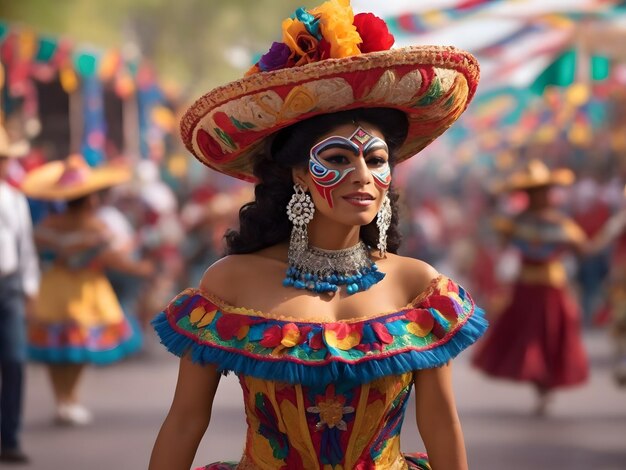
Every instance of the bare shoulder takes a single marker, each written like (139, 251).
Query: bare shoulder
(221, 277)
(226, 277)
(413, 275)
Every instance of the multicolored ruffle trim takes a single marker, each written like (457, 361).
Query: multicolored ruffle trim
(427, 333)
(75, 343)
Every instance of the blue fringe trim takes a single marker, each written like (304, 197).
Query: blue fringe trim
(78, 355)
(364, 371)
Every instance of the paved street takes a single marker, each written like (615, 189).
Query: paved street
(586, 428)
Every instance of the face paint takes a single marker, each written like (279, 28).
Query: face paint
(327, 179)
(360, 142)
(382, 173)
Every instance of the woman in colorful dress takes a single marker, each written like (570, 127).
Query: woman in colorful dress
(537, 337)
(78, 319)
(327, 329)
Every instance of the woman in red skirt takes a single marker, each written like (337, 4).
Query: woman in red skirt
(537, 337)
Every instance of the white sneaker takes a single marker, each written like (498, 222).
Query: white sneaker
(73, 414)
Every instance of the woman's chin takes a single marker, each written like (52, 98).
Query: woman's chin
(358, 220)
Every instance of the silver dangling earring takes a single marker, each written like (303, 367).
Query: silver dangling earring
(383, 221)
(300, 210)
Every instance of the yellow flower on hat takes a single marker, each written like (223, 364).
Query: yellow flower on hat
(336, 18)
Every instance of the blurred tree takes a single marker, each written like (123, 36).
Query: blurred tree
(196, 43)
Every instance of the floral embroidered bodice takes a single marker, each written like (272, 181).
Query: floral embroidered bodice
(324, 395)
(343, 424)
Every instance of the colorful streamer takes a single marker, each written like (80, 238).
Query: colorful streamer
(420, 23)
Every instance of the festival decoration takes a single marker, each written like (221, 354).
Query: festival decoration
(28, 57)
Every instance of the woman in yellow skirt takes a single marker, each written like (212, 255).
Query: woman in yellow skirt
(78, 319)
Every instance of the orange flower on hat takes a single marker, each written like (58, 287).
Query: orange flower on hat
(293, 28)
(336, 23)
(304, 46)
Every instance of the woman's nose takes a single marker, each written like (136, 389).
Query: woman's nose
(361, 173)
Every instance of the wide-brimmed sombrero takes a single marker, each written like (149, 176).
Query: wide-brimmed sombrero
(330, 60)
(535, 175)
(71, 178)
(10, 149)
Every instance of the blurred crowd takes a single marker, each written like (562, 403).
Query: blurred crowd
(446, 221)
(448, 224)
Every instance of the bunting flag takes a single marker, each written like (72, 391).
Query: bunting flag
(28, 58)
(94, 123)
(562, 72)
(516, 39)
(420, 23)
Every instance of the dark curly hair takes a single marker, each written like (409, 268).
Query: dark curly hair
(263, 222)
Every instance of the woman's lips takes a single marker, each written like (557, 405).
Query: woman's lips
(359, 199)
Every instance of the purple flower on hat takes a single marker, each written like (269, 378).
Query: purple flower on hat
(276, 58)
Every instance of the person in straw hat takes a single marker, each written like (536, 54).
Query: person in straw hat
(325, 326)
(19, 283)
(78, 319)
(537, 337)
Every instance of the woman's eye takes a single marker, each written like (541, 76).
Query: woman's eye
(376, 161)
(336, 159)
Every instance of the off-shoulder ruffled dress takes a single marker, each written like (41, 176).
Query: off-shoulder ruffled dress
(324, 395)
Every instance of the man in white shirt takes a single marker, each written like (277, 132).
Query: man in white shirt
(19, 283)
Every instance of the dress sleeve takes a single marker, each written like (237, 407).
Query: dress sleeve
(429, 332)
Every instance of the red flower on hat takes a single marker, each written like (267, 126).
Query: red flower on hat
(374, 32)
